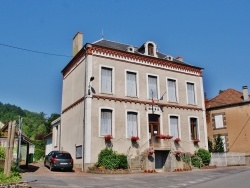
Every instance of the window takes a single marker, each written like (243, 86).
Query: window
(55, 136)
(131, 84)
(218, 121)
(106, 80)
(172, 96)
(132, 124)
(78, 152)
(152, 87)
(150, 49)
(191, 93)
(223, 138)
(194, 128)
(106, 122)
(174, 129)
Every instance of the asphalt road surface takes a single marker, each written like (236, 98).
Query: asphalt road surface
(39, 176)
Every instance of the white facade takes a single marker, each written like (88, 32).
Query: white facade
(132, 94)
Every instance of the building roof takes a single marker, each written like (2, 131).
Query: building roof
(23, 137)
(226, 98)
(124, 47)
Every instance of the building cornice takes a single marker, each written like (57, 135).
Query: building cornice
(141, 59)
(125, 100)
(145, 60)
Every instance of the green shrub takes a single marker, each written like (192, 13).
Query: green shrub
(109, 159)
(14, 175)
(196, 161)
(123, 163)
(2, 153)
(204, 155)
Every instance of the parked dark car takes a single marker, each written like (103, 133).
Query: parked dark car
(59, 160)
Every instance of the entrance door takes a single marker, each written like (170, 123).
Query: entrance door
(154, 128)
(160, 158)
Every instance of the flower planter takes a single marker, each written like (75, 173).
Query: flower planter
(177, 153)
(196, 141)
(108, 137)
(134, 138)
(150, 151)
(169, 137)
(177, 140)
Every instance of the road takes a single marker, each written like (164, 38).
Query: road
(229, 177)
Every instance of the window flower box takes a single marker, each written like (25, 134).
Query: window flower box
(108, 137)
(177, 153)
(150, 151)
(134, 138)
(160, 136)
(177, 140)
(196, 141)
(169, 137)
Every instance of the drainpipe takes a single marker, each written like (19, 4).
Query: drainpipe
(86, 149)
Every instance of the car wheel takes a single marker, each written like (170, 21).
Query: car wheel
(51, 167)
(44, 164)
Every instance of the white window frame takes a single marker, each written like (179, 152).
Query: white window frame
(179, 125)
(55, 136)
(158, 91)
(198, 126)
(195, 93)
(138, 122)
(113, 120)
(218, 118)
(176, 90)
(112, 79)
(137, 83)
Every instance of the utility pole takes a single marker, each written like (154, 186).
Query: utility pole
(19, 141)
(9, 149)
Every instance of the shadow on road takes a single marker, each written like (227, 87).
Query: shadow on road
(30, 168)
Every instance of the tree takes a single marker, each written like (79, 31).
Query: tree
(210, 145)
(218, 145)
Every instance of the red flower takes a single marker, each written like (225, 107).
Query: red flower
(177, 153)
(161, 136)
(134, 138)
(169, 137)
(177, 140)
(108, 137)
(196, 141)
(151, 151)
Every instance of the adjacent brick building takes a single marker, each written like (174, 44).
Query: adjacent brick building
(228, 115)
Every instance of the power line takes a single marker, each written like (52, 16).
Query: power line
(33, 51)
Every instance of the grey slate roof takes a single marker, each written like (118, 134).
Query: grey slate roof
(123, 47)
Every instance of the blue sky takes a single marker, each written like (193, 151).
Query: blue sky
(211, 34)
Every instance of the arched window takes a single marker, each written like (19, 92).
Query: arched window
(150, 49)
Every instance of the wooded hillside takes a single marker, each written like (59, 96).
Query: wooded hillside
(34, 124)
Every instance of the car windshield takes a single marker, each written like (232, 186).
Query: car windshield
(62, 156)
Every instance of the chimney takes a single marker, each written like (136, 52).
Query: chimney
(77, 43)
(245, 93)
(179, 58)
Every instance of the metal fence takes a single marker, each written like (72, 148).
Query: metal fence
(228, 159)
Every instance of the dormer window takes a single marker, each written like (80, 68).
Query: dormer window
(150, 49)
(130, 49)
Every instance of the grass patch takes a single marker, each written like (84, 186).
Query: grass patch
(14, 175)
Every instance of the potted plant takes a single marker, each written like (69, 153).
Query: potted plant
(196, 141)
(177, 140)
(150, 151)
(134, 138)
(169, 137)
(160, 136)
(177, 153)
(108, 137)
